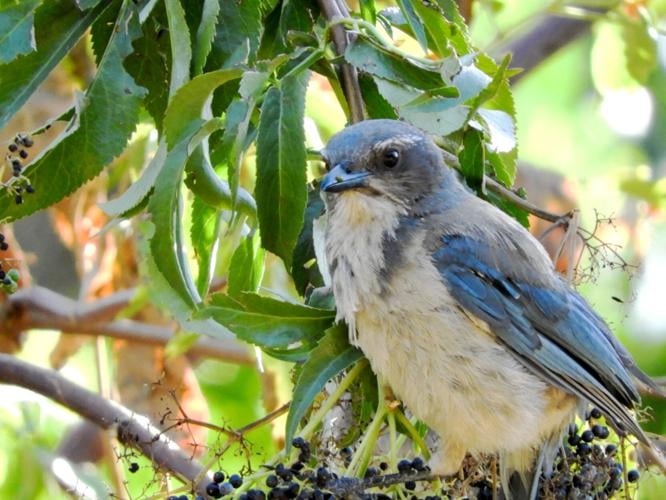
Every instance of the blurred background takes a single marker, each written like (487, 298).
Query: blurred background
(591, 125)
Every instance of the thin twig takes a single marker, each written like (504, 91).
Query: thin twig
(333, 10)
(133, 429)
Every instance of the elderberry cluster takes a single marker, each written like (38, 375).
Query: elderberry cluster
(18, 151)
(588, 466)
(8, 278)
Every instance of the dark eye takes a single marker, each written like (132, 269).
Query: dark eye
(390, 158)
(327, 164)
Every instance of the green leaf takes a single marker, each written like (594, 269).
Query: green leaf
(436, 26)
(247, 267)
(280, 189)
(439, 116)
(17, 34)
(165, 209)
(99, 132)
(236, 124)
(102, 29)
(187, 104)
(332, 355)
(239, 24)
(375, 104)
(368, 10)
(640, 49)
(150, 65)
(296, 15)
(181, 50)
(267, 322)
(58, 26)
(501, 130)
(414, 22)
(303, 270)
(86, 4)
(205, 34)
(139, 190)
(379, 62)
(204, 235)
(458, 32)
(472, 158)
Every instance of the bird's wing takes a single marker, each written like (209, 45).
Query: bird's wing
(551, 329)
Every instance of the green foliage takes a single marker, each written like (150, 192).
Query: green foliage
(224, 83)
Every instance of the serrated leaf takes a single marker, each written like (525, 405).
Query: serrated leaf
(414, 22)
(247, 267)
(332, 355)
(296, 15)
(139, 190)
(375, 104)
(102, 29)
(164, 207)
(150, 66)
(472, 158)
(106, 119)
(280, 189)
(236, 124)
(266, 322)
(86, 4)
(17, 34)
(439, 116)
(458, 31)
(504, 166)
(239, 24)
(205, 34)
(187, 104)
(58, 26)
(181, 50)
(501, 130)
(379, 62)
(436, 25)
(204, 235)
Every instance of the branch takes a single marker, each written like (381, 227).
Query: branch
(37, 307)
(133, 429)
(544, 38)
(334, 10)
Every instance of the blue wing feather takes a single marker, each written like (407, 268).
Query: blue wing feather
(553, 331)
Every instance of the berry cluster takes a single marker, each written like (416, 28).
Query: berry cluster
(588, 466)
(9, 278)
(18, 150)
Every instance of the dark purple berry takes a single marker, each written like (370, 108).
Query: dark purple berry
(213, 490)
(611, 449)
(298, 442)
(595, 413)
(418, 464)
(587, 436)
(226, 489)
(272, 481)
(18, 199)
(218, 477)
(13, 148)
(404, 466)
(16, 164)
(371, 472)
(235, 480)
(410, 485)
(633, 475)
(133, 467)
(4, 245)
(383, 466)
(29, 189)
(574, 439)
(600, 431)
(27, 142)
(23, 154)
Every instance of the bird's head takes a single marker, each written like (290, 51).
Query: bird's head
(382, 158)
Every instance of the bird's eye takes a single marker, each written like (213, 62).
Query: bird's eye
(327, 164)
(391, 157)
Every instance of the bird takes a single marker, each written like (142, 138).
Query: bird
(459, 309)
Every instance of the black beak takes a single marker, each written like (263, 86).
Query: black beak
(340, 178)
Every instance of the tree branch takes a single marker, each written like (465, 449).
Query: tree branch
(333, 10)
(545, 37)
(133, 429)
(40, 308)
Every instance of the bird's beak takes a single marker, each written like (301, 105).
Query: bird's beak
(340, 178)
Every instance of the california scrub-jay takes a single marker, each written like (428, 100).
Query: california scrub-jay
(458, 307)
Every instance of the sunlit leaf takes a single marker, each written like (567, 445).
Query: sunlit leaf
(247, 267)
(204, 234)
(17, 34)
(105, 120)
(205, 34)
(415, 23)
(58, 26)
(267, 322)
